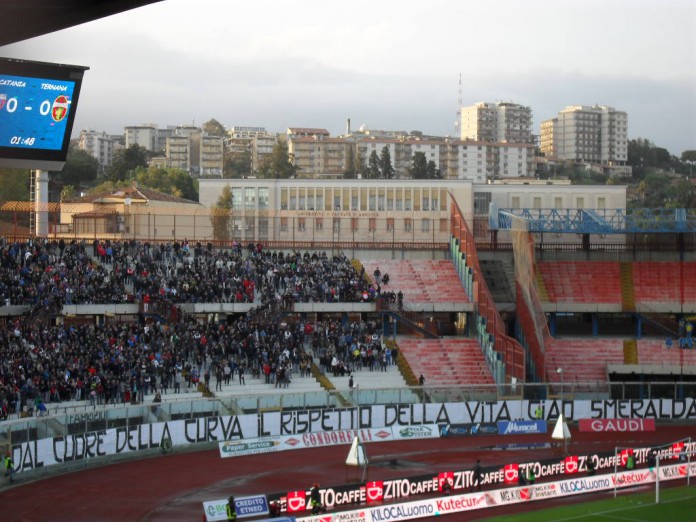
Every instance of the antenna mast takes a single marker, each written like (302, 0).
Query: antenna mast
(458, 121)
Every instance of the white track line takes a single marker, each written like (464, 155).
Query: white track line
(617, 510)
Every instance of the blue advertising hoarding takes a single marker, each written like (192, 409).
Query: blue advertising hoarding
(521, 427)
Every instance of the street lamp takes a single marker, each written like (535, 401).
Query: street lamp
(559, 371)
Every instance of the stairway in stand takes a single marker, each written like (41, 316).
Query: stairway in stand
(542, 291)
(630, 350)
(628, 294)
(450, 361)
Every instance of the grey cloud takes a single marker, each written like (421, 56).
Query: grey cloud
(134, 79)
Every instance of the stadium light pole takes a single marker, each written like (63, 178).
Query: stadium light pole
(559, 371)
(657, 479)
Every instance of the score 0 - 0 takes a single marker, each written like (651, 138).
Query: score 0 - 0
(12, 103)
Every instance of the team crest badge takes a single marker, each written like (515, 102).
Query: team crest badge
(60, 108)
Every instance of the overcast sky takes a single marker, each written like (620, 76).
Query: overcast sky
(387, 64)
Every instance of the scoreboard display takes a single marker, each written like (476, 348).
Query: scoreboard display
(37, 109)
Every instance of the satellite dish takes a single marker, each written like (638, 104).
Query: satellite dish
(127, 201)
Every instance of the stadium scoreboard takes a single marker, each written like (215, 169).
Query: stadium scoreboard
(38, 101)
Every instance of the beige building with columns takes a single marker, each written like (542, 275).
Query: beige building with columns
(316, 213)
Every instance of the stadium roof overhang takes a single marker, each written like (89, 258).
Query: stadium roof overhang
(594, 221)
(23, 19)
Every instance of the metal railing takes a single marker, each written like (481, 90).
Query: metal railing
(84, 417)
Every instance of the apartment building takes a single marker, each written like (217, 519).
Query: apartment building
(144, 136)
(255, 141)
(162, 135)
(587, 134)
(239, 140)
(306, 132)
(319, 157)
(99, 145)
(211, 159)
(465, 160)
(511, 160)
(178, 152)
(504, 122)
(262, 147)
(322, 157)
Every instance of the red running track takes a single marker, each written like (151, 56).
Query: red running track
(173, 487)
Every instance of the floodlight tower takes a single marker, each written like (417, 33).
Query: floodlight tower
(458, 120)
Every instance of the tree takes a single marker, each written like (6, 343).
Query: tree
(279, 165)
(213, 127)
(14, 184)
(385, 164)
(689, 156)
(433, 171)
(419, 166)
(373, 171)
(80, 169)
(350, 172)
(685, 194)
(220, 215)
(641, 191)
(168, 181)
(237, 165)
(108, 186)
(67, 192)
(360, 163)
(126, 161)
(643, 153)
(657, 190)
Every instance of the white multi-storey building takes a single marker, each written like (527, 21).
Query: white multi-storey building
(597, 134)
(99, 145)
(464, 160)
(142, 135)
(511, 160)
(496, 122)
(245, 132)
(241, 140)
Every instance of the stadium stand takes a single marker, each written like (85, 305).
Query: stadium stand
(55, 358)
(420, 280)
(582, 360)
(664, 282)
(656, 352)
(447, 361)
(581, 282)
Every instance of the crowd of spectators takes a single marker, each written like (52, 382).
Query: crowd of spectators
(43, 361)
(49, 274)
(345, 348)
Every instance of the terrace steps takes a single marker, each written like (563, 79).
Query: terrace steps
(628, 296)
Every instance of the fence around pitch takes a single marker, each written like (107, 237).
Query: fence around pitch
(204, 224)
(64, 420)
